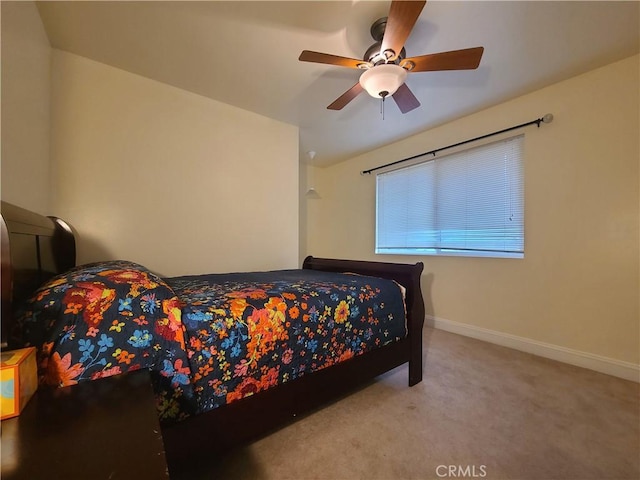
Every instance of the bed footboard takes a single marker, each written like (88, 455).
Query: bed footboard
(407, 275)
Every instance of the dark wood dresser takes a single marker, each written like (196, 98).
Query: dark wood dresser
(104, 429)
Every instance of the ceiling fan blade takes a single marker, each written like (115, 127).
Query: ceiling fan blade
(405, 99)
(346, 97)
(317, 57)
(402, 17)
(466, 59)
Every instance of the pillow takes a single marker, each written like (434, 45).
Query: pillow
(102, 319)
(108, 318)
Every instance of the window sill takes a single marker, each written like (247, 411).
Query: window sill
(449, 253)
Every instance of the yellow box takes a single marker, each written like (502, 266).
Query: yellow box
(18, 380)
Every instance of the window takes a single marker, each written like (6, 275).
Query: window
(468, 203)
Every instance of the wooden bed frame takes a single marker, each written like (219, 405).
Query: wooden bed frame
(35, 248)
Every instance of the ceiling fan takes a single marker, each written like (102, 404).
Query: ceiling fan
(385, 64)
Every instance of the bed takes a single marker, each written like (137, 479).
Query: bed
(232, 356)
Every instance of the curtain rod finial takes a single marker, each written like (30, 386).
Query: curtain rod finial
(548, 118)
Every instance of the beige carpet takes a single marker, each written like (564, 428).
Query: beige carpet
(482, 411)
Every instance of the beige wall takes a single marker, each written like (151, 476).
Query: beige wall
(26, 58)
(577, 287)
(175, 181)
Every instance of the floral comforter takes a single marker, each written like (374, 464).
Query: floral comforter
(208, 340)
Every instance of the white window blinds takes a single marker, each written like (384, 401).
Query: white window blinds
(467, 203)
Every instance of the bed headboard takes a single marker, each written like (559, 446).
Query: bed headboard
(34, 248)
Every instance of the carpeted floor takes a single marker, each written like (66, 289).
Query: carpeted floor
(482, 411)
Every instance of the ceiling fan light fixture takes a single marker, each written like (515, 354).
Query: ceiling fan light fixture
(383, 80)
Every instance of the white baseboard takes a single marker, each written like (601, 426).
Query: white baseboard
(610, 366)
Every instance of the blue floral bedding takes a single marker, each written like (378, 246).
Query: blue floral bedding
(108, 318)
(248, 332)
(208, 340)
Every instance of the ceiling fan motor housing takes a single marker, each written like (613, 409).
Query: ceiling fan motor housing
(374, 55)
(377, 29)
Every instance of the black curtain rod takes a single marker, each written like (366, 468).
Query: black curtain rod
(548, 118)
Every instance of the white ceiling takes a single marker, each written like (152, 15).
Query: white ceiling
(246, 54)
